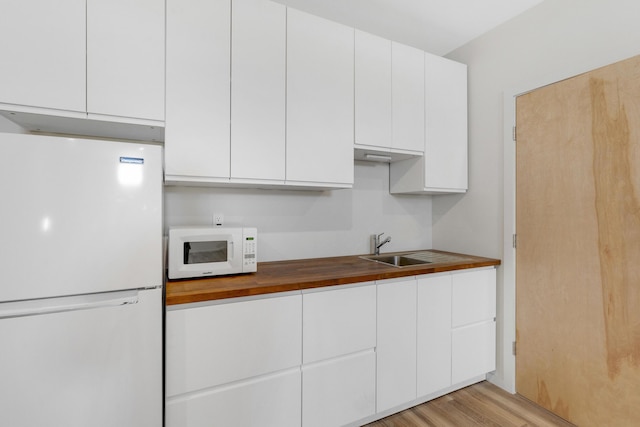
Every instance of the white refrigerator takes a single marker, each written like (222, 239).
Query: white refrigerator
(80, 282)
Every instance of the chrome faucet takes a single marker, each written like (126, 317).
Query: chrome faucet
(377, 243)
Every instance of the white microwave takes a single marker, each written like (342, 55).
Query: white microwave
(211, 251)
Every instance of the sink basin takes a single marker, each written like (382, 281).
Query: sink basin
(396, 260)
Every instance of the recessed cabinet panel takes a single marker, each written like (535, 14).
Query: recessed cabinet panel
(338, 322)
(372, 90)
(396, 347)
(258, 75)
(213, 345)
(272, 401)
(320, 118)
(125, 58)
(474, 296)
(473, 351)
(339, 391)
(446, 130)
(408, 97)
(44, 54)
(197, 131)
(434, 333)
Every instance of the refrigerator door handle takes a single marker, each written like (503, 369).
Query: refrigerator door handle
(42, 306)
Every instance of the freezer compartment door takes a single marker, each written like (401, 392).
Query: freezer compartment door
(84, 361)
(78, 216)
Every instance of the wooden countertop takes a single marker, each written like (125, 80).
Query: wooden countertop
(295, 275)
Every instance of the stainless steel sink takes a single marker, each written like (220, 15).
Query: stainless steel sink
(407, 259)
(396, 260)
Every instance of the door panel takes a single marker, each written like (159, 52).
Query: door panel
(578, 226)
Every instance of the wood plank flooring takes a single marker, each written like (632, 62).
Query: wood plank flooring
(481, 404)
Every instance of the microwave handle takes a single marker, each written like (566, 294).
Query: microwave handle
(230, 250)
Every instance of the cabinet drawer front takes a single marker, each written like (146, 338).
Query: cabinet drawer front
(338, 322)
(339, 391)
(272, 401)
(213, 345)
(474, 296)
(473, 351)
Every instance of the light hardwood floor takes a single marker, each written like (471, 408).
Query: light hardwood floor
(481, 404)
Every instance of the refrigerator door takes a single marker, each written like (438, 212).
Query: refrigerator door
(82, 361)
(79, 216)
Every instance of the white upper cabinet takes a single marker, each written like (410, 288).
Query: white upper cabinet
(43, 54)
(125, 58)
(372, 90)
(320, 118)
(79, 59)
(408, 97)
(446, 130)
(443, 169)
(258, 91)
(197, 132)
(389, 98)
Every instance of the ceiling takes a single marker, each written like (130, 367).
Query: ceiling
(436, 26)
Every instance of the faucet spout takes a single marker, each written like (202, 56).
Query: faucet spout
(378, 244)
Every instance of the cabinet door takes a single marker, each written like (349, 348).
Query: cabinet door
(473, 321)
(473, 351)
(43, 54)
(213, 345)
(258, 67)
(272, 401)
(408, 97)
(396, 347)
(446, 123)
(320, 58)
(434, 333)
(125, 58)
(338, 322)
(474, 296)
(372, 90)
(339, 391)
(197, 140)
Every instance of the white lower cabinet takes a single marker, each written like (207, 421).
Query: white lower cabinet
(396, 347)
(434, 333)
(339, 370)
(473, 346)
(473, 350)
(272, 401)
(339, 391)
(339, 321)
(333, 356)
(235, 363)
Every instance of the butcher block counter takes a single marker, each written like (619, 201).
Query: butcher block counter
(295, 275)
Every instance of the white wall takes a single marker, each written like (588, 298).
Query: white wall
(308, 224)
(555, 40)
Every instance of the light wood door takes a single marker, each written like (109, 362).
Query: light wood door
(578, 225)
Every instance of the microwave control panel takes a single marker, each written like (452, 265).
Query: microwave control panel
(250, 250)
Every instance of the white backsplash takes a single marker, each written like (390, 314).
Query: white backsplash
(309, 224)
